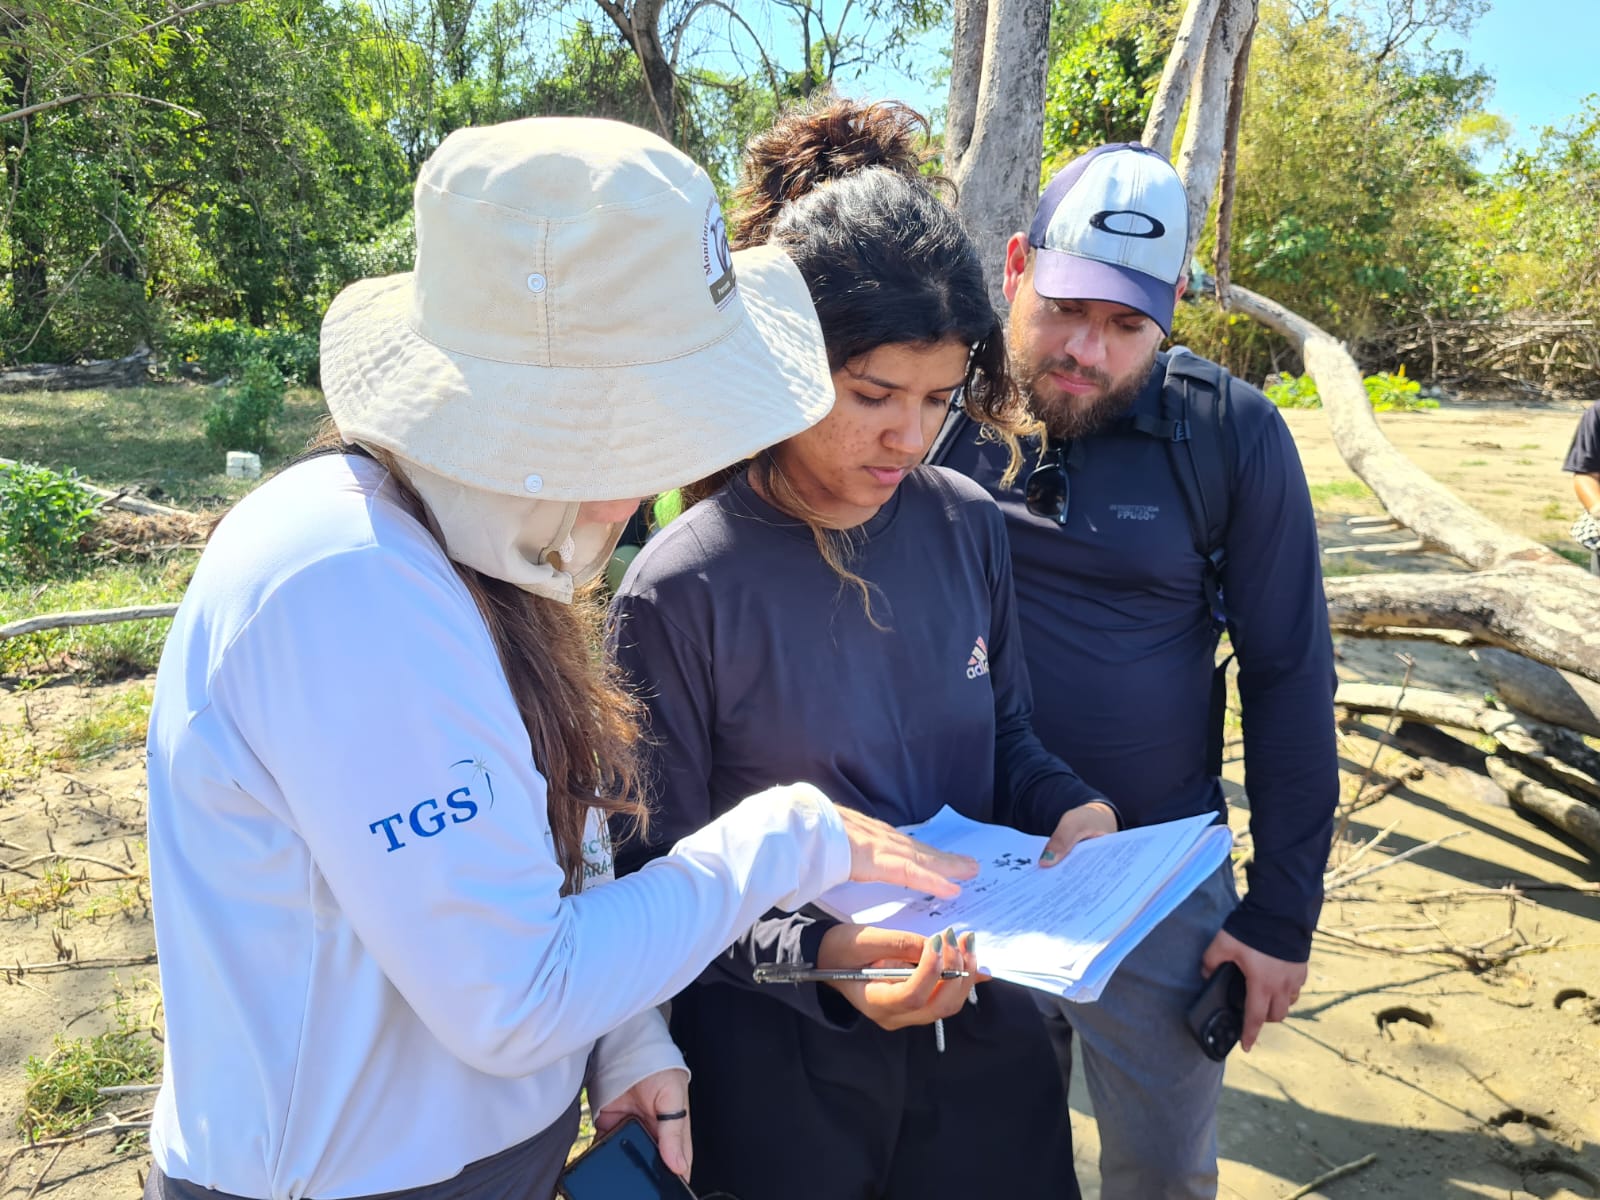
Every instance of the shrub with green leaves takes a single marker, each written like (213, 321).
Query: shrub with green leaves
(1393, 392)
(1293, 391)
(1386, 392)
(42, 516)
(223, 347)
(244, 416)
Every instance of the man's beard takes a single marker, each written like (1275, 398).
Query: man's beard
(1066, 416)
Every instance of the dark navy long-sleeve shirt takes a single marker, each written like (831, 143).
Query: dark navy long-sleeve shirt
(1120, 645)
(760, 667)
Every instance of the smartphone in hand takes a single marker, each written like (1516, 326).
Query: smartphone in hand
(624, 1164)
(1216, 1016)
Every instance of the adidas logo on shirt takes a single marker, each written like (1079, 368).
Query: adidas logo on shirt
(978, 664)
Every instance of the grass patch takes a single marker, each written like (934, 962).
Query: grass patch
(20, 760)
(115, 723)
(1554, 511)
(1340, 489)
(1581, 557)
(61, 1092)
(51, 891)
(1346, 564)
(101, 652)
(1475, 462)
(150, 436)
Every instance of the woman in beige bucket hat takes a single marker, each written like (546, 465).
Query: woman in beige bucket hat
(381, 749)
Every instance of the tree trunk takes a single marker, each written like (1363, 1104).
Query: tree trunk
(998, 171)
(640, 27)
(1555, 697)
(1544, 613)
(1177, 77)
(1559, 752)
(966, 73)
(1422, 505)
(1200, 160)
(1570, 816)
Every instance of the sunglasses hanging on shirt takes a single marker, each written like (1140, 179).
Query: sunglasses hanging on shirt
(1048, 492)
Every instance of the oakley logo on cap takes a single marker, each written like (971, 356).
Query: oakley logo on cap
(1151, 228)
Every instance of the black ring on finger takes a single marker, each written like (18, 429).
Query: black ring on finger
(680, 1115)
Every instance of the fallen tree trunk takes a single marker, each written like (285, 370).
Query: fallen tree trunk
(1544, 613)
(1555, 697)
(100, 616)
(1560, 752)
(1422, 505)
(1570, 816)
(104, 372)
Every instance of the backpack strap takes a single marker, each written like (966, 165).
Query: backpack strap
(1194, 424)
(1195, 402)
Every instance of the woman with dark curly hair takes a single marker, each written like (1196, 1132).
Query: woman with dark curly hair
(830, 610)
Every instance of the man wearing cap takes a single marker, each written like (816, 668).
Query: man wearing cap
(1117, 600)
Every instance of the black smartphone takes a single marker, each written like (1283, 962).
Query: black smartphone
(622, 1165)
(1216, 1015)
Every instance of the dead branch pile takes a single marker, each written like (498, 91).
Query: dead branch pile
(1543, 356)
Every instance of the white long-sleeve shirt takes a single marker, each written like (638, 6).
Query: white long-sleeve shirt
(370, 976)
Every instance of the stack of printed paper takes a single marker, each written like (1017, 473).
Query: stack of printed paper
(1060, 929)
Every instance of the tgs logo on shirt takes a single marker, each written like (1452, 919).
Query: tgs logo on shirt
(429, 818)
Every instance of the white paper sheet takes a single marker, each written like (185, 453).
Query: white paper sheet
(1061, 929)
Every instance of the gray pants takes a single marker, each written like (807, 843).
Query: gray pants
(1154, 1093)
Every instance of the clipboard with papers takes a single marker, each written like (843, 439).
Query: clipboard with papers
(1063, 929)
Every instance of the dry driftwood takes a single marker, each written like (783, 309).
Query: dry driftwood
(104, 372)
(1559, 751)
(1555, 697)
(1573, 817)
(99, 616)
(1543, 612)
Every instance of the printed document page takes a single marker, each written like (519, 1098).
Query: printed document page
(1061, 929)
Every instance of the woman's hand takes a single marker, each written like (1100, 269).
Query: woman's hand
(880, 853)
(895, 1004)
(1079, 824)
(661, 1102)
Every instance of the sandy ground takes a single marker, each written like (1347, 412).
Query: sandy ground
(1450, 1032)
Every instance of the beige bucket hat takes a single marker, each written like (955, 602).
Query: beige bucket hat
(575, 327)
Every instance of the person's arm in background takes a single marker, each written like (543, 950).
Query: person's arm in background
(1278, 624)
(1583, 460)
(1587, 487)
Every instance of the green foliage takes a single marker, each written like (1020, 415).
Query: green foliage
(112, 724)
(42, 516)
(224, 347)
(1386, 392)
(1340, 489)
(1102, 81)
(62, 1089)
(245, 416)
(1395, 393)
(1293, 391)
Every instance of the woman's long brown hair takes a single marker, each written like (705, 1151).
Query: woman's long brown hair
(582, 723)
